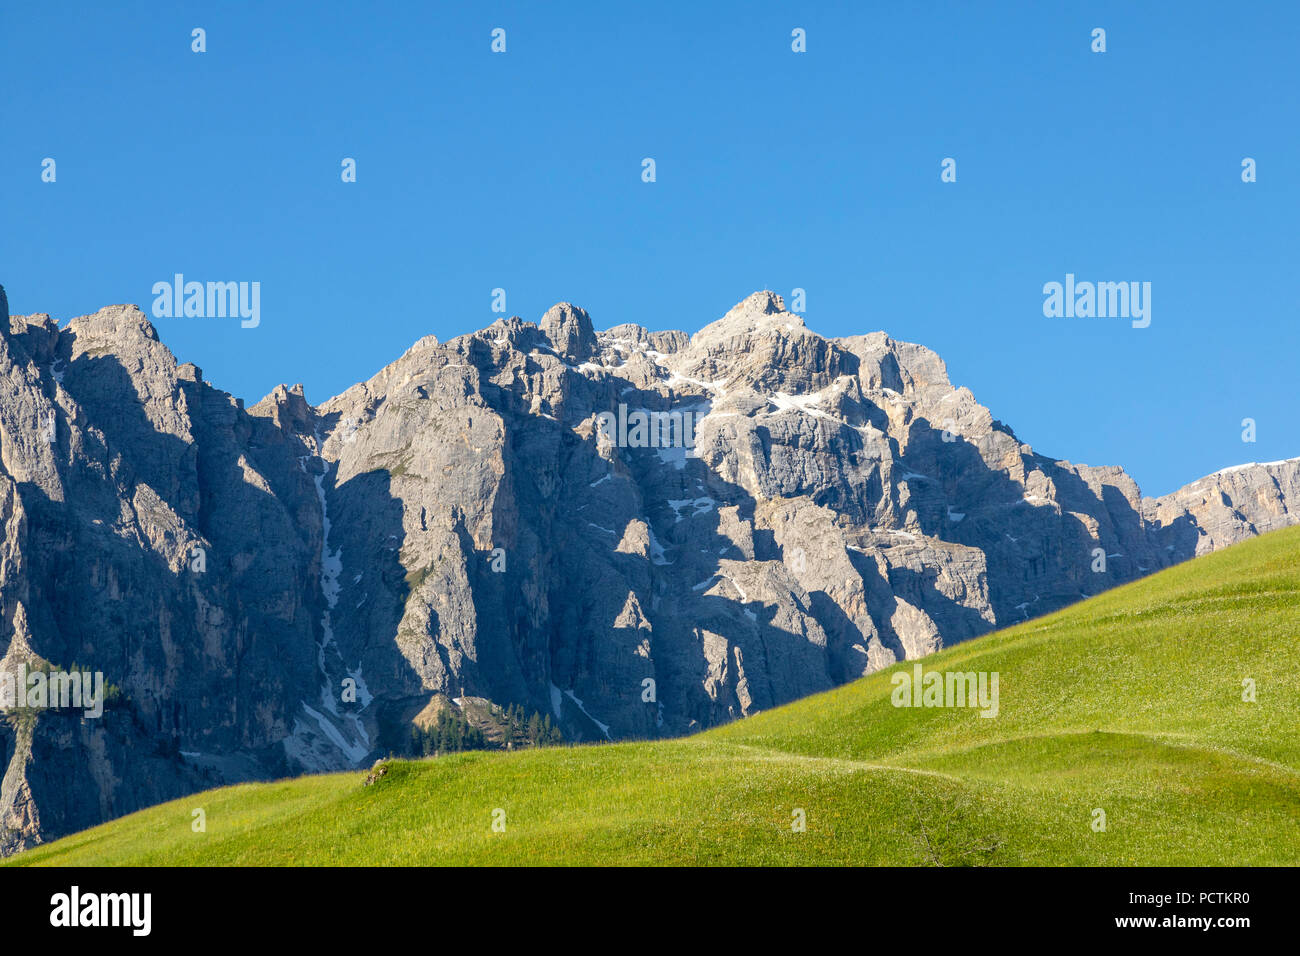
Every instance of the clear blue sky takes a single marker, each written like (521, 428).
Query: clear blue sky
(775, 170)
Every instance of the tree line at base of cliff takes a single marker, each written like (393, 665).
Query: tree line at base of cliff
(452, 732)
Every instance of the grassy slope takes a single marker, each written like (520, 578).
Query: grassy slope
(1129, 702)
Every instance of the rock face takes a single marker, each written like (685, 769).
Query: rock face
(284, 588)
(1228, 506)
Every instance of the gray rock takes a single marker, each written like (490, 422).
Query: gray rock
(458, 525)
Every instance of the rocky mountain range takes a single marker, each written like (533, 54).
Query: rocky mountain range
(289, 588)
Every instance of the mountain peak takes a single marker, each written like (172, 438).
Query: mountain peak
(755, 307)
(570, 331)
(116, 323)
(757, 313)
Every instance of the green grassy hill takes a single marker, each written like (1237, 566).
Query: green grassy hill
(1130, 703)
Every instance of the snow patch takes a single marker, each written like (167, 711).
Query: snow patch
(675, 455)
(656, 549)
(739, 589)
(604, 728)
(345, 732)
(701, 506)
(786, 402)
(715, 386)
(1252, 464)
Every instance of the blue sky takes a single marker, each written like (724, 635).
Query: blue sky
(774, 170)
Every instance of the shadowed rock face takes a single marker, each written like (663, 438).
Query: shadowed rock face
(285, 587)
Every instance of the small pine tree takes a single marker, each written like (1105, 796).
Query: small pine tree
(443, 738)
(550, 733)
